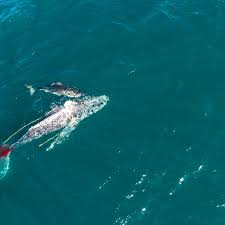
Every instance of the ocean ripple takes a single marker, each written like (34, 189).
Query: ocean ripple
(10, 9)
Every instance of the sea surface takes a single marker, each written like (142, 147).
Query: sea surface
(155, 155)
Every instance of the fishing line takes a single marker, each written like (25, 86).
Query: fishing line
(47, 140)
(21, 129)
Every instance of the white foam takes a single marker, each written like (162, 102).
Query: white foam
(220, 206)
(141, 180)
(130, 196)
(181, 180)
(106, 182)
(188, 149)
(143, 209)
(200, 168)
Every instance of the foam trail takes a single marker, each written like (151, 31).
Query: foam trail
(21, 129)
(4, 166)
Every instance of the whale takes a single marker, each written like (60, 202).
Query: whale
(60, 89)
(63, 118)
(68, 115)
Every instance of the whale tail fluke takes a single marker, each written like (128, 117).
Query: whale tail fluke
(5, 150)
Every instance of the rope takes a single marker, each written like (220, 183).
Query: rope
(48, 140)
(21, 129)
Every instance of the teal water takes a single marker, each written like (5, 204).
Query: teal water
(155, 154)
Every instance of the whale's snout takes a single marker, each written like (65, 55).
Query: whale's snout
(94, 104)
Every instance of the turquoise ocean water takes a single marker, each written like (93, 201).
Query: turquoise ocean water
(155, 154)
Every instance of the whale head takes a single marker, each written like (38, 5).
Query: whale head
(90, 105)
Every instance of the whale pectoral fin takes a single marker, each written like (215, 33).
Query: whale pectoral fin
(64, 134)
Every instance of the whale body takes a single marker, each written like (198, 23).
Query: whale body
(68, 115)
(61, 90)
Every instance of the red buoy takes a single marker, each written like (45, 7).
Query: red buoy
(4, 151)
